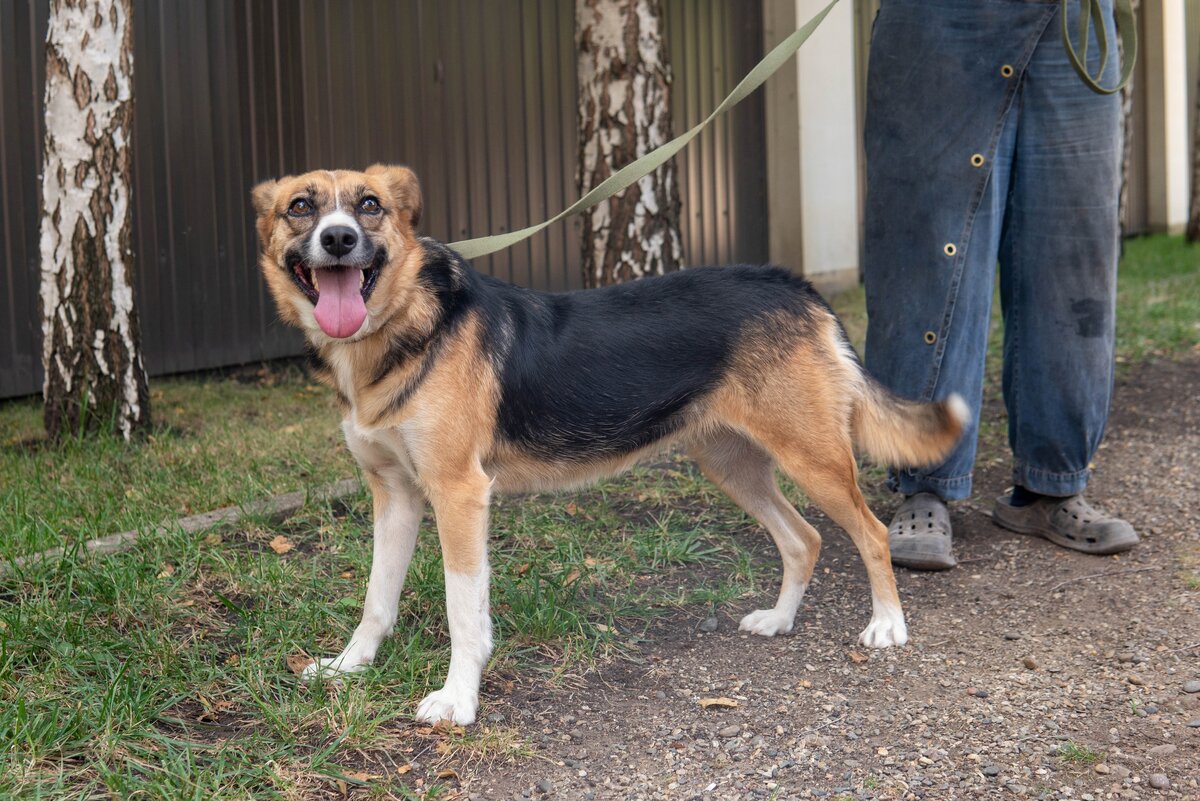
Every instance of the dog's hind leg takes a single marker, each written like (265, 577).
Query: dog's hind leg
(828, 474)
(747, 475)
(398, 506)
(460, 502)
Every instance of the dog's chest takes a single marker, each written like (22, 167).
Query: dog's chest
(380, 450)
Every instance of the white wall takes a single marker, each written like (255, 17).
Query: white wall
(812, 146)
(1163, 54)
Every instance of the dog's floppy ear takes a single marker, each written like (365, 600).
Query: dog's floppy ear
(404, 188)
(263, 197)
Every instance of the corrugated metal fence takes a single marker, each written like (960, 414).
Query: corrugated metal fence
(478, 96)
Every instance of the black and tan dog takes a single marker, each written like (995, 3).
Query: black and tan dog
(454, 385)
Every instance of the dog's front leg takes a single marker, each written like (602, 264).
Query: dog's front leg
(461, 506)
(398, 506)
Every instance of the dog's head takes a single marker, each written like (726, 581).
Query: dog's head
(335, 245)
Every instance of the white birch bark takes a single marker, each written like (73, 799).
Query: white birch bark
(91, 349)
(624, 79)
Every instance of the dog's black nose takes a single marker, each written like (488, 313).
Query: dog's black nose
(338, 240)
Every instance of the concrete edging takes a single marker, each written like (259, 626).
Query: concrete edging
(279, 507)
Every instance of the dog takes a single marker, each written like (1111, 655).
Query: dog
(454, 385)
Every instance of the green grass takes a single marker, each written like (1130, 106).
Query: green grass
(1080, 755)
(162, 672)
(217, 442)
(1158, 298)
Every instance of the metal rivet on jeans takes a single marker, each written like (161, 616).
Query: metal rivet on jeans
(930, 337)
(977, 160)
(950, 249)
(1007, 71)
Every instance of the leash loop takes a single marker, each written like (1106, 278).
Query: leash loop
(1126, 28)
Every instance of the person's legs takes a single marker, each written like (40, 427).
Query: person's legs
(939, 137)
(1058, 261)
(937, 178)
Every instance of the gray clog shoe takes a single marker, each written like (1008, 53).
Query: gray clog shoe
(919, 535)
(1068, 522)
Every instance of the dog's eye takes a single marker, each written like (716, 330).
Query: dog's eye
(300, 208)
(369, 205)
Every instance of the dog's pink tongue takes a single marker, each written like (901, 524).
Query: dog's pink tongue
(340, 309)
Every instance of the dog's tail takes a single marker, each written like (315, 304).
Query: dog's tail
(904, 433)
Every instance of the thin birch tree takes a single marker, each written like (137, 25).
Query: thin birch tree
(624, 78)
(94, 378)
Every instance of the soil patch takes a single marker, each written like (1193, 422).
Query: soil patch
(1032, 671)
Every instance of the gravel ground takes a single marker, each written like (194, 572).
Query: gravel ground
(1032, 672)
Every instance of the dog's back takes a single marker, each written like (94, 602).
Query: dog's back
(599, 373)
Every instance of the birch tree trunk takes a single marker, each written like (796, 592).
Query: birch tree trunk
(624, 80)
(90, 349)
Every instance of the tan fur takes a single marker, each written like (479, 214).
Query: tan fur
(902, 433)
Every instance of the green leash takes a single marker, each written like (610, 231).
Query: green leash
(635, 170)
(632, 172)
(1126, 29)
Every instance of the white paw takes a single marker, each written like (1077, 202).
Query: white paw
(448, 704)
(766, 623)
(885, 631)
(333, 668)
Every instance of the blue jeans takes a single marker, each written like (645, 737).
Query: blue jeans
(984, 147)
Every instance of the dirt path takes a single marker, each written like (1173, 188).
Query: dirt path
(1032, 672)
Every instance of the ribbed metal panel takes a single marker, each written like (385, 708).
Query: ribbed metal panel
(477, 96)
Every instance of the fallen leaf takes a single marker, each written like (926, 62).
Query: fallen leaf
(213, 539)
(448, 773)
(281, 544)
(403, 769)
(522, 569)
(233, 659)
(212, 712)
(572, 509)
(856, 657)
(347, 574)
(572, 577)
(446, 726)
(298, 662)
(722, 702)
(361, 776)
(341, 785)
(167, 570)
